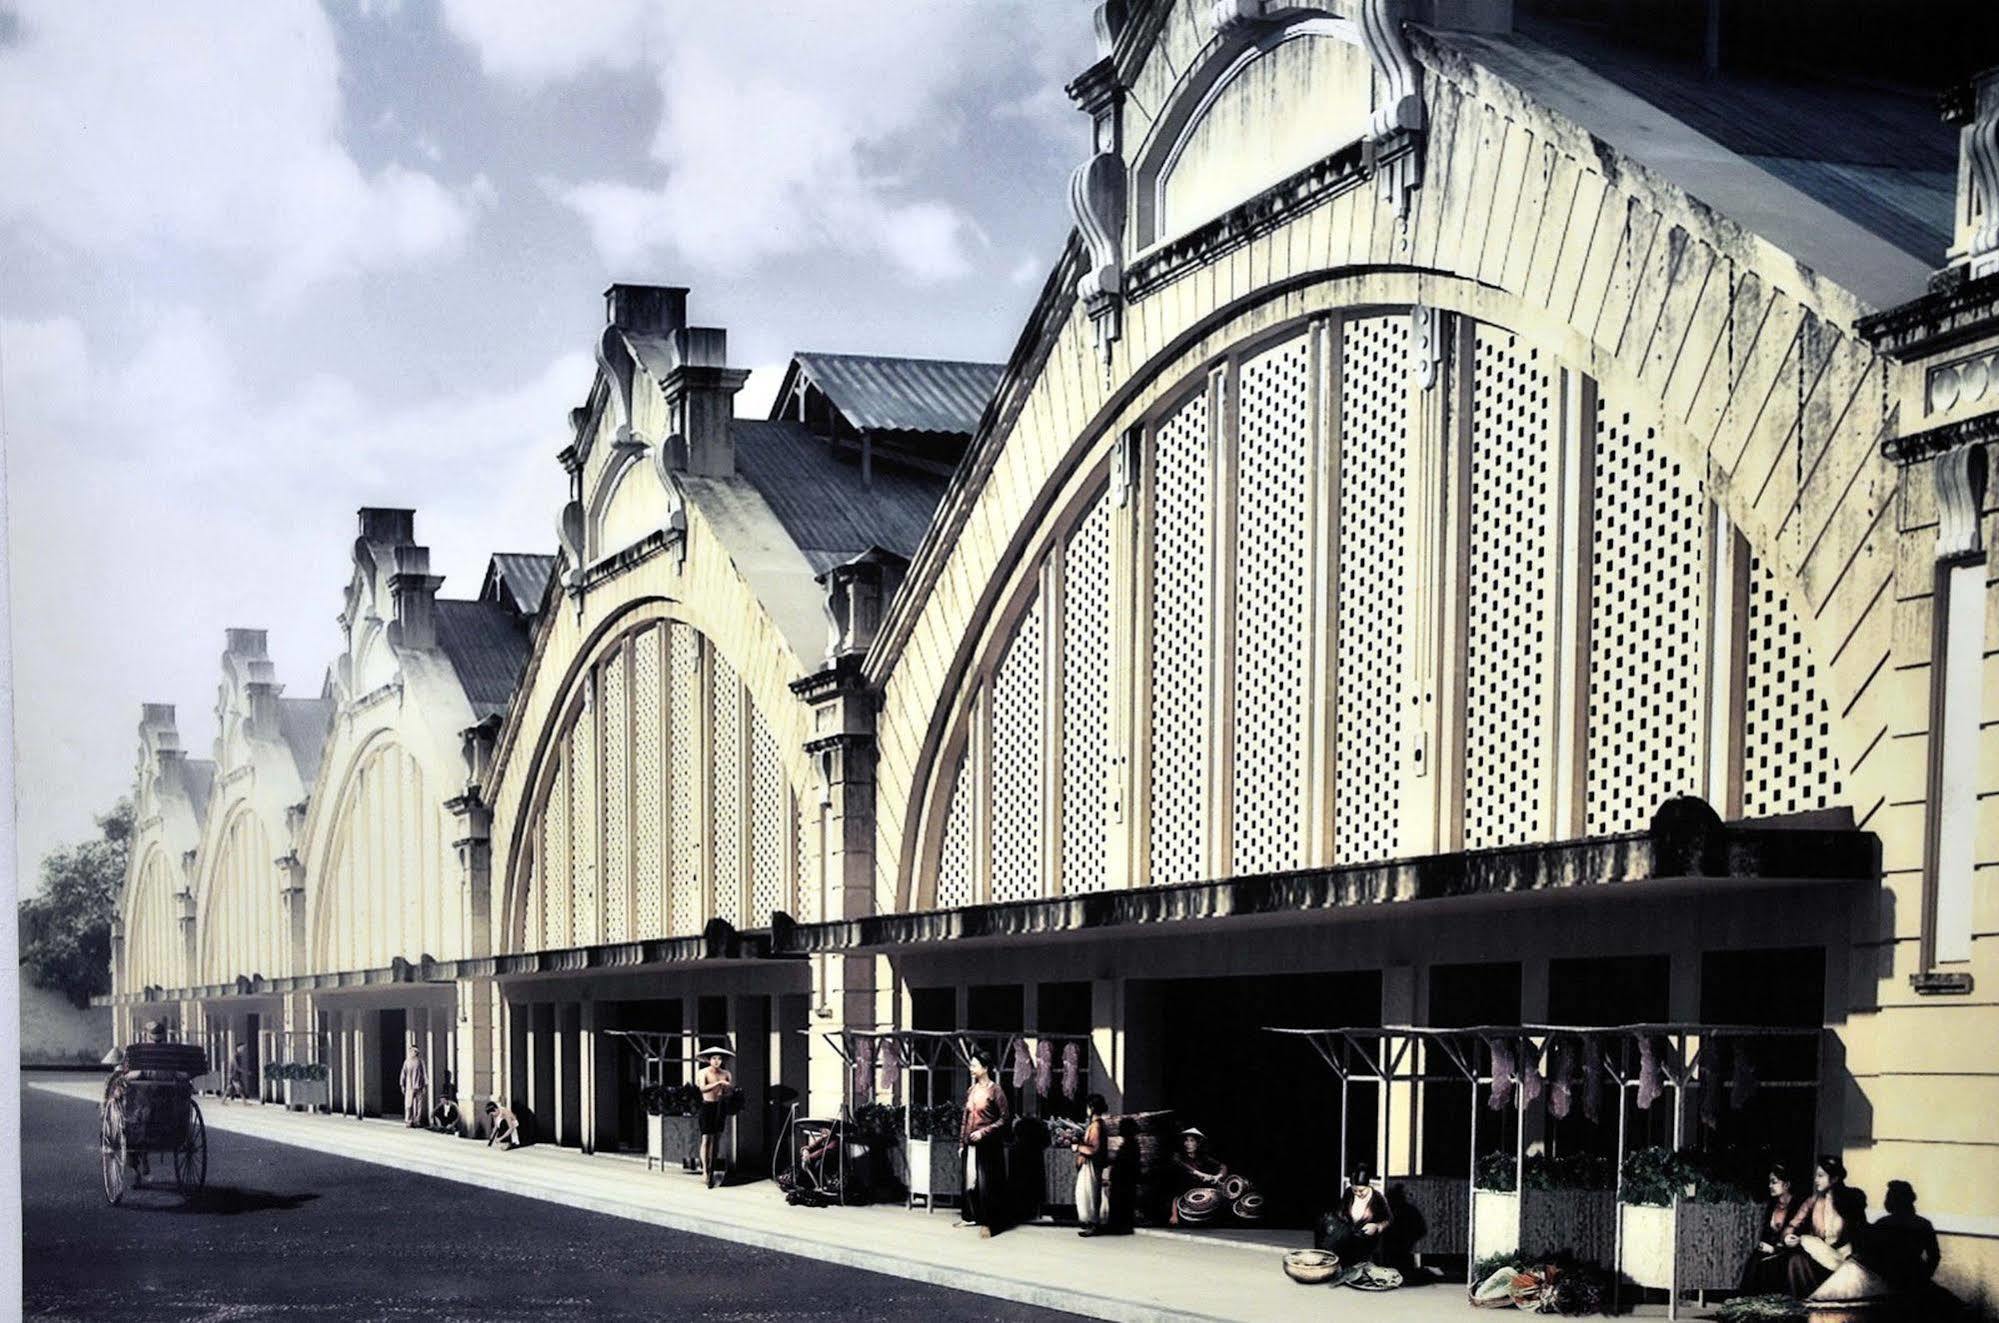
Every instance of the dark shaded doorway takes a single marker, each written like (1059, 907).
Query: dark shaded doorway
(1773, 988)
(391, 1044)
(1462, 996)
(1268, 1102)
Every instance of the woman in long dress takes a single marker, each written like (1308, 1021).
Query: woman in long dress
(985, 1153)
(1833, 1216)
(1769, 1271)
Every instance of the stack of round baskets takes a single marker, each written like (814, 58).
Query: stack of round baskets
(1311, 1267)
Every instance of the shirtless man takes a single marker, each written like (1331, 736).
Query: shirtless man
(506, 1126)
(716, 1084)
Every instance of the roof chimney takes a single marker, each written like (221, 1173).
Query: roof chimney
(701, 396)
(413, 588)
(646, 309)
(386, 526)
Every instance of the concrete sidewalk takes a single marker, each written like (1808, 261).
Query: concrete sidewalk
(1143, 1277)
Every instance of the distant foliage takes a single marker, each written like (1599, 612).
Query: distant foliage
(66, 929)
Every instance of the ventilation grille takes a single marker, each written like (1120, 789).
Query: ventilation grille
(1182, 498)
(1274, 437)
(1372, 657)
(617, 790)
(555, 860)
(1788, 765)
(648, 771)
(684, 781)
(767, 825)
(728, 694)
(1648, 602)
(583, 822)
(1019, 754)
(1086, 700)
(954, 860)
(1509, 647)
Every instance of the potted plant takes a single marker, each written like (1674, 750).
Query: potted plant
(934, 1155)
(1683, 1225)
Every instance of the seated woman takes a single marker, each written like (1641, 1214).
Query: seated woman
(1357, 1231)
(1784, 1214)
(1209, 1191)
(1834, 1214)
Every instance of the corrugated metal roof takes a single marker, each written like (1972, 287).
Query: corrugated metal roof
(523, 576)
(1880, 156)
(820, 499)
(487, 645)
(303, 722)
(904, 394)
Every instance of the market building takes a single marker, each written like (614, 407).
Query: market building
(1467, 539)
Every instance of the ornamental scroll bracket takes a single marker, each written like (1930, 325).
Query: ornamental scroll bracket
(1124, 466)
(614, 358)
(1975, 110)
(1400, 110)
(1097, 194)
(1960, 476)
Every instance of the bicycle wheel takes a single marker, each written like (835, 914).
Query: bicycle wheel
(191, 1158)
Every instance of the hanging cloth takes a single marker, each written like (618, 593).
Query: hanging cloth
(1072, 1070)
(1502, 1073)
(1651, 1075)
(1044, 1067)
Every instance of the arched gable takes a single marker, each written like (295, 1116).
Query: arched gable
(150, 913)
(239, 908)
(659, 795)
(378, 866)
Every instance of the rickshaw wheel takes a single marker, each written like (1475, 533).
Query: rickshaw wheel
(113, 1156)
(191, 1158)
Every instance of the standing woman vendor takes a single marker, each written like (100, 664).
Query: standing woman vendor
(985, 1154)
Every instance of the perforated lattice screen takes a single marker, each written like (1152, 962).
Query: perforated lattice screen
(1182, 501)
(1086, 699)
(648, 771)
(1273, 440)
(1510, 622)
(728, 774)
(1372, 660)
(554, 873)
(1648, 601)
(954, 859)
(1019, 754)
(683, 748)
(805, 843)
(583, 822)
(1788, 764)
(767, 825)
(617, 788)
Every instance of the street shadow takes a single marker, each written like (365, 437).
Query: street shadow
(231, 1201)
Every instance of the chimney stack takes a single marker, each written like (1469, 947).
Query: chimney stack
(386, 526)
(701, 396)
(413, 588)
(657, 310)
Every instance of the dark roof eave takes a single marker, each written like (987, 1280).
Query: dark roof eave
(1671, 850)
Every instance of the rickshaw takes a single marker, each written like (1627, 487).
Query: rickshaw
(149, 1109)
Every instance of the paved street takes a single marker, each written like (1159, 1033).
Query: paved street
(282, 1232)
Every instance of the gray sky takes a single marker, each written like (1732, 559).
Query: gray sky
(264, 263)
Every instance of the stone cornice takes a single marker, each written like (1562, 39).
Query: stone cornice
(1917, 447)
(1957, 312)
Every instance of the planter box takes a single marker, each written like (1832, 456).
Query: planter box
(308, 1093)
(1058, 1180)
(935, 1170)
(1711, 1242)
(673, 1141)
(1443, 1203)
(1535, 1221)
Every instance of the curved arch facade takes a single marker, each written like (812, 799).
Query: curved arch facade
(152, 945)
(661, 799)
(242, 913)
(1340, 653)
(382, 877)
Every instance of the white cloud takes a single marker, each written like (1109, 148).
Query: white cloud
(210, 126)
(536, 42)
(159, 497)
(777, 120)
